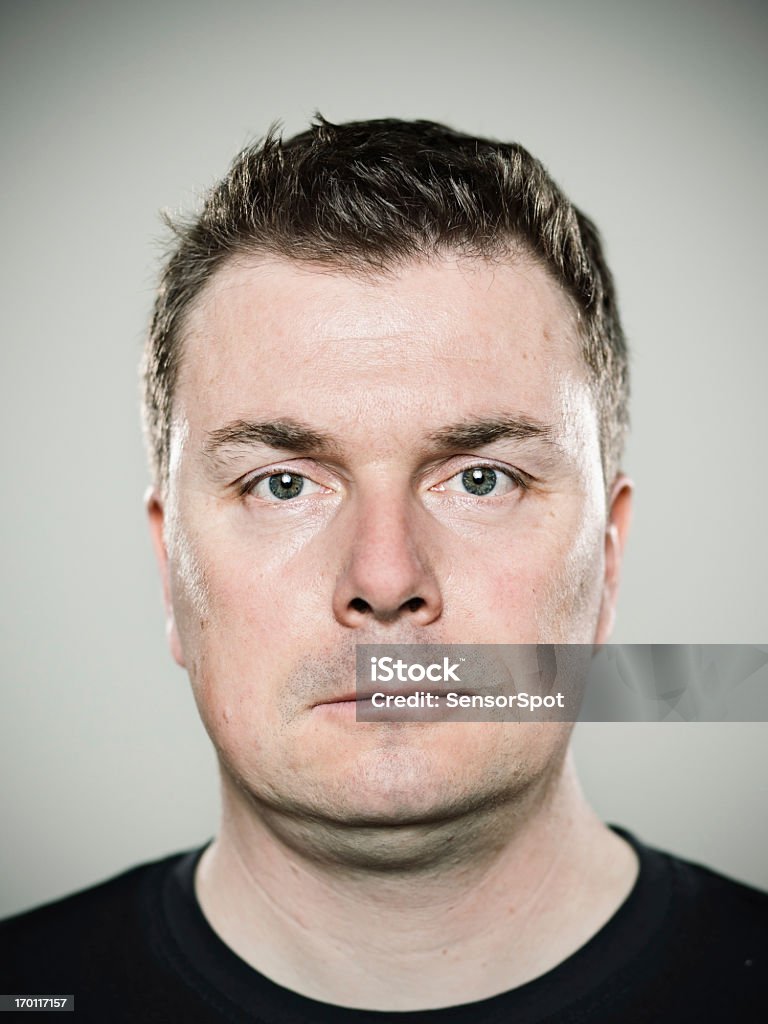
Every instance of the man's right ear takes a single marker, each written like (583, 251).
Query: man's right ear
(156, 516)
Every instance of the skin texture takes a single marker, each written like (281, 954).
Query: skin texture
(327, 820)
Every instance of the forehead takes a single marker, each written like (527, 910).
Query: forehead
(278, 338)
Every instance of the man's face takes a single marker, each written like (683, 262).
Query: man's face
(403, 458)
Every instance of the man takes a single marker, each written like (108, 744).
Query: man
(386, 390)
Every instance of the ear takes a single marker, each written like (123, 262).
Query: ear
(616, 531)
(156, 515)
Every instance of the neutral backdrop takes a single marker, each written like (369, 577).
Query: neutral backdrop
(652, 117)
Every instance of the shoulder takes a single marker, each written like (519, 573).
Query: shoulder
(705, 954)
(697, 892)
(64, 939)
(94, 904)
(717, 905)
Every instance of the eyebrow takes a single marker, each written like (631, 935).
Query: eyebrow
(475, 433)
(290, 435)
(286, 435)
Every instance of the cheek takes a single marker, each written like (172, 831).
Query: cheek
(542, 587)
(570, 593)
(241, 616)
(224, 639)
(224, 593)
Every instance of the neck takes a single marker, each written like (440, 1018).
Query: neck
(418, 916)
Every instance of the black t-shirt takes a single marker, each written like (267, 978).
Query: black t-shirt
(686, 945)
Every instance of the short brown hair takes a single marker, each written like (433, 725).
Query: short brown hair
(367, 196)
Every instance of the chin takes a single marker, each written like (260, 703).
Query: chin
(390, 776)
(419, 774)
(401, 785)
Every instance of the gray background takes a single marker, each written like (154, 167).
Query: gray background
(651, 115)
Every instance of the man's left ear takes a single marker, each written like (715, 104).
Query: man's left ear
(616, 530)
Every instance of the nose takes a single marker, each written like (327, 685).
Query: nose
(387, 576)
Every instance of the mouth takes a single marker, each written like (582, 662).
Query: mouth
(345, 698)
(346, 702)
(360, 707)
(364, 696)
(347, 707)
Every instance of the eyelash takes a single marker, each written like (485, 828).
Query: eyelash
(520, 479)
(247, 486)
(517, 477)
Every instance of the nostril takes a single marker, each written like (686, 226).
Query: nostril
(413, 604)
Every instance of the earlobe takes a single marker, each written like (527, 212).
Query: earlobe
(156, 516)
(616, 532)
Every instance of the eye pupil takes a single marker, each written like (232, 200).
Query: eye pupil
(480, 480)
(286, 485)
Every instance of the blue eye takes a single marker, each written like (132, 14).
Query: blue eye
(484, 481)
(286, 485)
(281, 486)
(479, 480)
